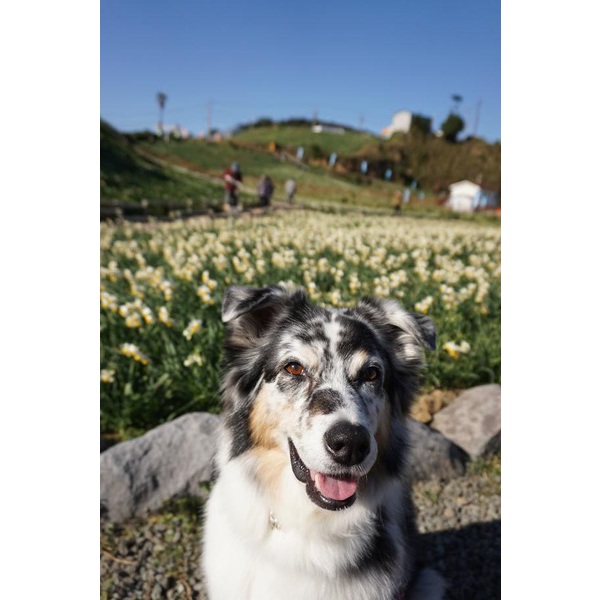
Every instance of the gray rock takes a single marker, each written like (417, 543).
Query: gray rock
(432, 455)
(139, 475)
(472, 421)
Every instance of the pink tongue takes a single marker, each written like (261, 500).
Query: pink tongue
(334, 489)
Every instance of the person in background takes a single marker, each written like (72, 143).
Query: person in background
(265, 190)
(232, 176)
(290, 190)
(397, 202)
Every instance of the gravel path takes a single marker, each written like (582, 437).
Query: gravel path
(158, 557)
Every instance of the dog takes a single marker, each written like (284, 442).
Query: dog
(311, 499)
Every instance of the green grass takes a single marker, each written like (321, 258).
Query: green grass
(129, 176)
(317, 184)
(294, 137)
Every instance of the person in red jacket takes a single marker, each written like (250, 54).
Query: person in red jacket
(232, 176)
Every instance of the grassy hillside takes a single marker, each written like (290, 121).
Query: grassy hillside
(292, 137)
(131, 176)
(316, 183)
(136, 168)
(433, 162)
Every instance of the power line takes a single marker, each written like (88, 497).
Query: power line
(476, 125)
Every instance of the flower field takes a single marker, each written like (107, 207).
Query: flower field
(161, 287)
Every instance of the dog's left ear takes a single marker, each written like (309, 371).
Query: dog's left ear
(411, 332)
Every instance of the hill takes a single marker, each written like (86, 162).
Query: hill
(131, 175)
(316, 145)
(432, 162)
(142, 167)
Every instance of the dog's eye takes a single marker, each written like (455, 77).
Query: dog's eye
(371, 374)
(295, 369)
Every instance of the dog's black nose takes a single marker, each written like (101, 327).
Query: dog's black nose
(348, 444)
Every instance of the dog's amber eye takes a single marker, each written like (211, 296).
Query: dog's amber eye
(371, 374)
(294, 368)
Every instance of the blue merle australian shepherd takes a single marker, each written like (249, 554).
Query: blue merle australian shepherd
(312, 501)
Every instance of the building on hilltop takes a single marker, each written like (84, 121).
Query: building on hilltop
(404, 121)
(328, 129)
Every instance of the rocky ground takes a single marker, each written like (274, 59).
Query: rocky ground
(158, 557)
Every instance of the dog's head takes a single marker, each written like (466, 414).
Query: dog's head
(330, 388)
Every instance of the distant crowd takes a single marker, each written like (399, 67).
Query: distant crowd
(233, 178)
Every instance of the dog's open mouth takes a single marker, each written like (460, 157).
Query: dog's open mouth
(331, 492)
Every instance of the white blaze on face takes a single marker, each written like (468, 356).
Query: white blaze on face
(335, 374)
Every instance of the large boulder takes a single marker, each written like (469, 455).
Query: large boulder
(173, 459)
(432, 455)
(472, 421)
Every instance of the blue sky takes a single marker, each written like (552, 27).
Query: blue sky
(350, 62)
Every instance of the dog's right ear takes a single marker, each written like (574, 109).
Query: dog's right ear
(250, 311)
(240, 300)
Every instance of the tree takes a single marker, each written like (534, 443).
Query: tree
(420, 123)
(161, 98)
(452, 126)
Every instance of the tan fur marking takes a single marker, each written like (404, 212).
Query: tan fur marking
(357, 362)
(270, 466)
(263, 423)
(270, 459)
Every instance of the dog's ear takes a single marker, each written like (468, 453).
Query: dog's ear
(250, 311)
(239, 300)
(410, 332)
(426, 329)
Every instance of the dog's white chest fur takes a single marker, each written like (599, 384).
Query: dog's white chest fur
(256, 550)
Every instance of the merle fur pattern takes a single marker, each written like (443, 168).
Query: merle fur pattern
(268, 533)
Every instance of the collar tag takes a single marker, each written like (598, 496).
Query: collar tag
(273, 522)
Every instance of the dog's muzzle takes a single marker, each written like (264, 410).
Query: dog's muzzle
(348, 445)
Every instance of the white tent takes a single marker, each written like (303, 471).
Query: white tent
(463, 195)
(466, 196)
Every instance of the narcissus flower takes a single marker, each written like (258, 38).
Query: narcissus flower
(193, 359)
(203, 293)
(455, 350)
(452, 349)
(132, 351)
(424, 305)
(164, 317)
(107, 375)
(192, 328)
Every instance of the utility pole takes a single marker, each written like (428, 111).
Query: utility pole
(208, 118)
(457, 98)
(161, 98)
(315, 116)
(361, 120)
